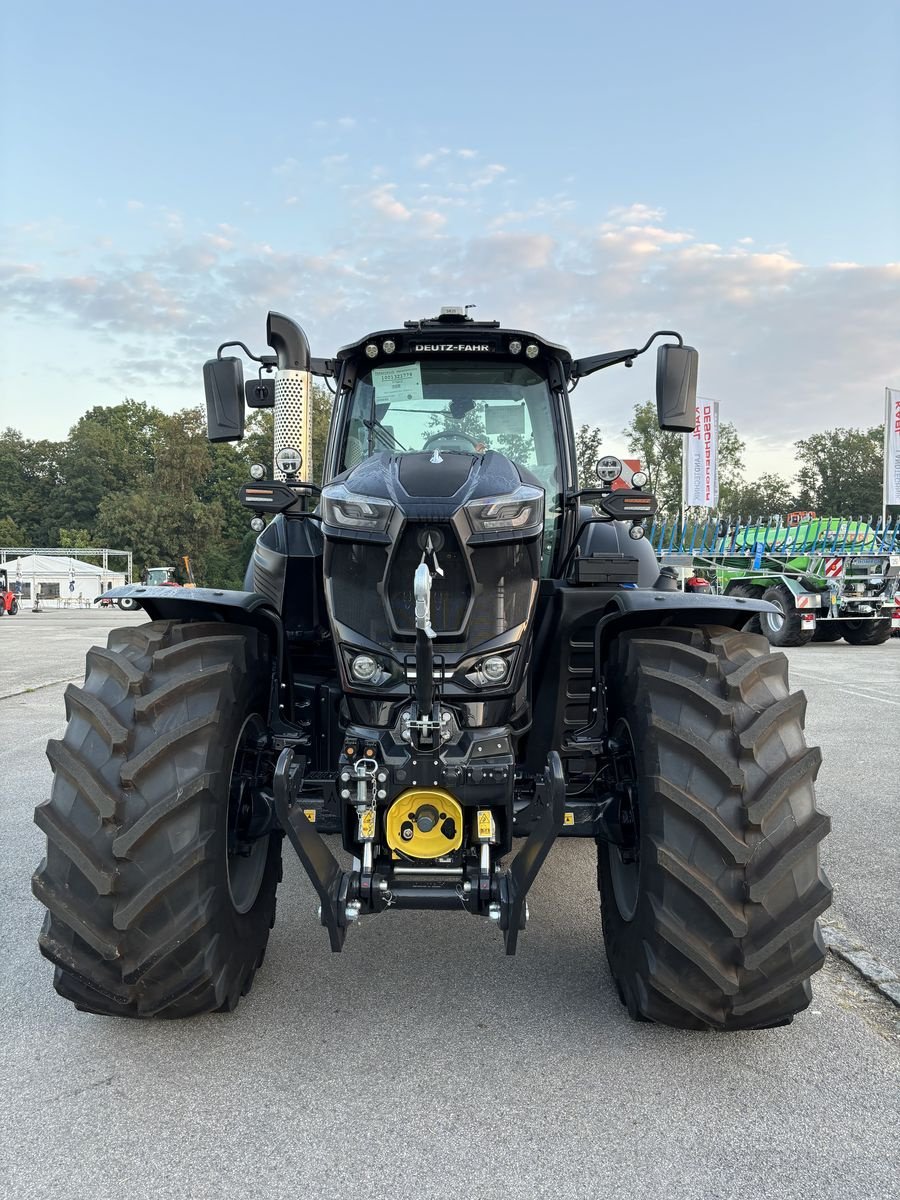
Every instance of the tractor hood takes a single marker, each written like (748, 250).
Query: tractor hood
(475, 520)
(429, 484)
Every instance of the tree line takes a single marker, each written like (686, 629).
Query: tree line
(132, 477)
(839, 471)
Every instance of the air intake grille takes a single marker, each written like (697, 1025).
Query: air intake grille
(450, 592)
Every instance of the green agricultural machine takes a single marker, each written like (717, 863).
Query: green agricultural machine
(825, 577)
(450, 655)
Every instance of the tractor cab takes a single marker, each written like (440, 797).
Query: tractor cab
(452, 387)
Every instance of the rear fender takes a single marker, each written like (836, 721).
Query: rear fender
(210, 604)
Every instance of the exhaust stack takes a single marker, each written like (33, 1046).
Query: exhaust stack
(293, 394)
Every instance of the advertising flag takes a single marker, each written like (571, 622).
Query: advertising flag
(892, 446)
(701, 458)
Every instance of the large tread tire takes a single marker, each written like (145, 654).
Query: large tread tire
(866, 632)
(723, 933)
(792, 631)
(140, 918)
(829, 630)
(751, 592)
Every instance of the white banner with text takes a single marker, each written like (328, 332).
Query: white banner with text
(891, 446)
(702, 484)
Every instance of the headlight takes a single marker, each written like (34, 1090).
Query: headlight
(364, 668)
(521, 510)
(348, 510)
(490, 671)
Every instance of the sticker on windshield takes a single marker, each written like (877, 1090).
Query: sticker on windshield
(500, 419)
(398, 383)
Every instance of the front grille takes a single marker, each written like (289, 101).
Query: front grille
(355, 570)
(451, 592)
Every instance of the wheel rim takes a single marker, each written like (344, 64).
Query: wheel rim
(624, 863)
(245, 861)
(775, 621)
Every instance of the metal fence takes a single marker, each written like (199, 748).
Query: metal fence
(738, 537)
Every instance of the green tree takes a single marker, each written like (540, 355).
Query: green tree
(841, 473)
(110, 450)
(29, 478)
(74, 538)
(165, 515)
(10, 533)
(588, 440)
(770, 495)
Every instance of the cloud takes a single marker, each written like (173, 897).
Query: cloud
(336, 123)
(385, 202)
(787, 347)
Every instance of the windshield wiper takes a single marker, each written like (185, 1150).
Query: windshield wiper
(384, 435)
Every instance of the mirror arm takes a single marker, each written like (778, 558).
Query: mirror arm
(596, 362)
(266, 360)
(323, 366)
(661, 333)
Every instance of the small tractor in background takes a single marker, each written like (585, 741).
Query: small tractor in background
(170, 576)
(9, 600)
(452, 649)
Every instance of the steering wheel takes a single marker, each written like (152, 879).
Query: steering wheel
(441, 440)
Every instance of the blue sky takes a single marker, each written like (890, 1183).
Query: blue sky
(170, 171)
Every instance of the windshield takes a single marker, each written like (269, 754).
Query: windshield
(459, 406)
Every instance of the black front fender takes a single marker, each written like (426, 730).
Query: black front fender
(211, 604)
(634, 608)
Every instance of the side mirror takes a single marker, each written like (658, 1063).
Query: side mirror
(260, 393)
(676, 387)
(223, 383)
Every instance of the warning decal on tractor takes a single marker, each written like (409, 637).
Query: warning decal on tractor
(834, 567)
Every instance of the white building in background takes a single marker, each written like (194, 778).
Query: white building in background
(58, 578)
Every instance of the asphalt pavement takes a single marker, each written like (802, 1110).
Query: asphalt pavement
(421, 1062)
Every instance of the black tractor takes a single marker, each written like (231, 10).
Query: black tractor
(452, 649)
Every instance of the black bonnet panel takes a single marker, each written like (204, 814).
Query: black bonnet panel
(442, 473)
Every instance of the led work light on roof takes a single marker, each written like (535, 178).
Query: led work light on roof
(371, 350)
(639, 479)
(515, 346)
(532, 350)
(609, 468)
(257, 471)
(389, 345)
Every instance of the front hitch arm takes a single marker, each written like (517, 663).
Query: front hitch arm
(550, 799)
(333, 884)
